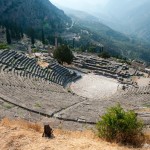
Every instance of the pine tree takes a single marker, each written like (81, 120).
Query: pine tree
(63, 54)
(43, 37)
(31, 33)
(73, 42)
(8, 37)
(21, 32)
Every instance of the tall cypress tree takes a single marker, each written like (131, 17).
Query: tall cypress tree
(73, 42)
(21, 32)
(8, 37)
(32, 35)
(43, 37)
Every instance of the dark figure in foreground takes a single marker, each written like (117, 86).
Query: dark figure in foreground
(48, 132)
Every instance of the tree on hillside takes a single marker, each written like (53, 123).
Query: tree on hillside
(31, 33)
(43, 37)
(8, 37)
(15, 31)
(21, 32)
(63, 54)
(104, 55)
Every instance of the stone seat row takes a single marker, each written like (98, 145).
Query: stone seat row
(24, 66)
(9, 78)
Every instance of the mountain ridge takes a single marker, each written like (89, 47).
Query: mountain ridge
(33, 13)
(114, 41)
(134, 17)
(43, 15)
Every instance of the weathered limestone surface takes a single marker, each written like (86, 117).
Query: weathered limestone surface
(34, 97)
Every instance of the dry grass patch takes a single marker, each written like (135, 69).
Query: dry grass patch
(23, 135)
(42, 64)
(22, 124)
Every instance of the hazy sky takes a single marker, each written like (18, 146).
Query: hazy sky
(81, 4)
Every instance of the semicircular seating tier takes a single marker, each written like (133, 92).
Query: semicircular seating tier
(20, 64)
(30, 88)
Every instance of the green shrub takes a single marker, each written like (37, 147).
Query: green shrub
(120, 126)
(104, 55)
(3, 46)
(34, 50)
(63, 54)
